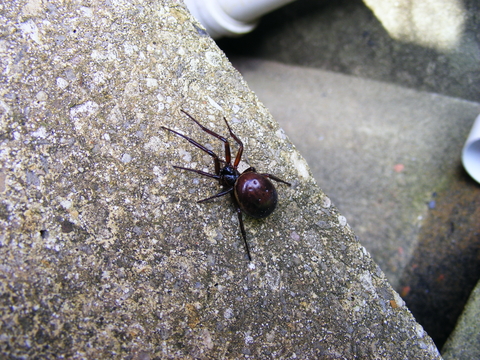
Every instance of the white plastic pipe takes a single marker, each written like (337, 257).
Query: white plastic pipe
(231, 17)
(471, 151)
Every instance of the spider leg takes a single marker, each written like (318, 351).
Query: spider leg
(222, 193)
(198, 172)
(216, 159)
(221, 138)
(240, 220)
(273, 177)
(239, 142)
(242, 229)
(251, 168)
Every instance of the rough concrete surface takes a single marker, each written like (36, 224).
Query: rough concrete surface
(105, 252)
(463, 343)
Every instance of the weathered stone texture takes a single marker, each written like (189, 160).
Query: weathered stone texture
(105, 253)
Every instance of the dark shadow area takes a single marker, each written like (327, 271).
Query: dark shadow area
(345, 36)
(446, 265)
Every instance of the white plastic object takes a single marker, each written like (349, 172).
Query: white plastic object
(471, 152)
(231, 17)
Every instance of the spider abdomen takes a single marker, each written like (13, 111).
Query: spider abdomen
(255, 195)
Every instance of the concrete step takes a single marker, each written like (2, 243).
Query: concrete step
(464, 342)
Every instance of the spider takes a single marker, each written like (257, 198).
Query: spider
(252, 193)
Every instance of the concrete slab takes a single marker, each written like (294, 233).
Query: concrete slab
(464, 343)
(106, 254)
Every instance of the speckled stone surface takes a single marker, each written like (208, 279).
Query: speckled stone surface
(463, 344)
(106, 254)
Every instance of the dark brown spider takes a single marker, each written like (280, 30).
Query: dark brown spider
(252, 192)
